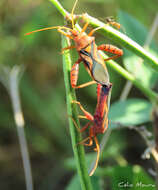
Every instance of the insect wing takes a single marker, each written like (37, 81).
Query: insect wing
(99, 71)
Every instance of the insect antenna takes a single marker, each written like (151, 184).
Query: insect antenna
(72, 14)
(49, 28)
(42, 29)
(58, 27)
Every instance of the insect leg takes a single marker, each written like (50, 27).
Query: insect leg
(94, 30)
(105, 121)
(74, 76)
(112, 49)
(74, 73)
(77, 127)
(87, 144)
(85, 27)
(97, 159)
(66, 48)
(65, 34)
(106, 109)
(87, 114)
(86, 84)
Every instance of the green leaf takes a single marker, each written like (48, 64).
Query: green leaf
(140, 70)
(133, 178)
(43, 110)
(133, 63)
(99, 1)
(142, 180)
(120, 176)
(134, 29)
(75, 183)
(130, 112)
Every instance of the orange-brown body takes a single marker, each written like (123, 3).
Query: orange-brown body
(94, 63)
(98, 123)
(88, 54)
(111, 21)
(101, 113)
(91, 57)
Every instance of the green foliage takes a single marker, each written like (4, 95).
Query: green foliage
(132, 62)
(75, 184)
(130, 178)
(43, 96)
(141, 178)
(130, 112)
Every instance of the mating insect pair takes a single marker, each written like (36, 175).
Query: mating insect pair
(98, 123)
(94, 64)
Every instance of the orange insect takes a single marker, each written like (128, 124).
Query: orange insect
(98, 123)
(88, 53)
(94, 64)
(111, 21)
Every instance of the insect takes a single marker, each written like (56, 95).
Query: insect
(88, 53)
(111, 21)
(98, 123)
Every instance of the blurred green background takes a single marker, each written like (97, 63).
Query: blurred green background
(43, 96)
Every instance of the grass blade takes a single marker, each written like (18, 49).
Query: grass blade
(72, 110)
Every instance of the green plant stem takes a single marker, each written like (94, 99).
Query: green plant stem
(146, 91)
(117, 36)
(19, 121)
(123, 40)
(72, 111)
(59, 7)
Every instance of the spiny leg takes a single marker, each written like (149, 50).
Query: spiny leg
(105, 121)
(82, 117)
(65, 34)
(85, 84)
(105, 124)
(84, 27)
(97, 159)
(86, 139)
(106, 110)
(77, 127)
(66, 48)
(74, 73)
(74, 76)
(94, 30)
(111, 49)
(87, 114)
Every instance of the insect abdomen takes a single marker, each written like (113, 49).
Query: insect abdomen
(74, 74)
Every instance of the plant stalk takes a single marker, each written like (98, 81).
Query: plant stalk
(19, 121)
(78, 150)
(123, 40)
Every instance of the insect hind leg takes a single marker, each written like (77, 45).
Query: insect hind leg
(97, 149)
(111, 49)
(86, 139)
